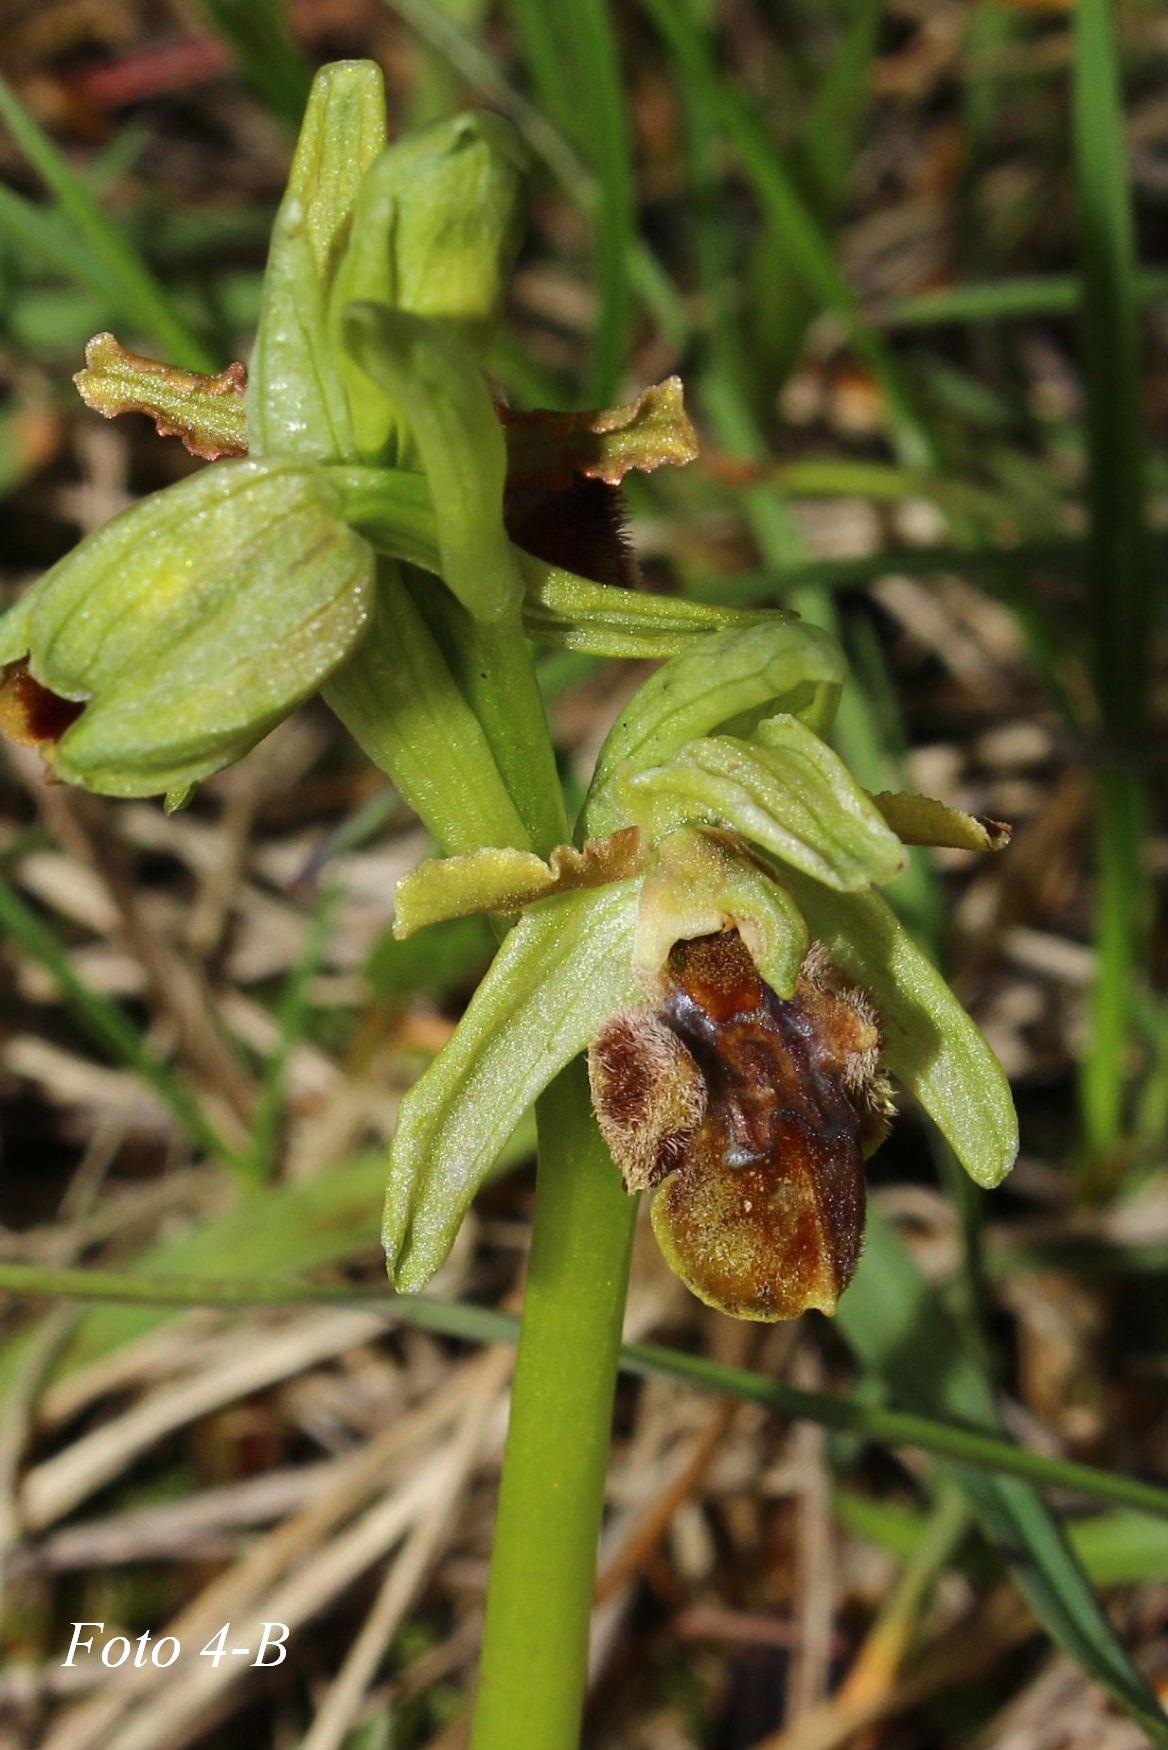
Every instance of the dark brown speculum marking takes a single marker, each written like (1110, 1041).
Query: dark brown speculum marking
(765, 1217)
(760, 1202)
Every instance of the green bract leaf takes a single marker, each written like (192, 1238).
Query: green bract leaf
(505, 880)
(791, 795)
(437, 227)
(561, 972)
(297, 403)
(704, 882)
(930, 1042)
(196, 620)
(731, 677)
(206, 412)
(435, 380)
(919, 820)
(398, 699)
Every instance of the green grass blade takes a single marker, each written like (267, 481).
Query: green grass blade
(1116, 1549)
(809, 249)
(106, 1022)
(903, 1334)
(535, 26)
(594, 62)
(293, 1013)
(268, 54)
(781, 303)
(574, 57)
(1005, 300)
(40, 232)
(1120, 587)
(234, 1287)
(143, 300)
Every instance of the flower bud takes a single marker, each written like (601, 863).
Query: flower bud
(442, 209)
(189, 625)
(437, 225)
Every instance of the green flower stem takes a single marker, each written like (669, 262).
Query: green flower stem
(535, 1651)
(492, 664)
(535, 1646)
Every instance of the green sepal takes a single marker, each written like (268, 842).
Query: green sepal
(930, 1043)
(296, 398)
(14, 629)
(437, 227)
(194, 621)
(703, 882)
(435, 380)
(392, 508)
(562, 971)
(401, 704)
(504, 879)
(729, 677)
(788, 793)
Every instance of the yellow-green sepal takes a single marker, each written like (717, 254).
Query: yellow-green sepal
(929, 1043)
(14, 630)
(562, 971)
(786, 792)
(730, 677)
(296, 398)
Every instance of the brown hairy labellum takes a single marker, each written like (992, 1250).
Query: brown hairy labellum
(752, 1114)
(580, 527)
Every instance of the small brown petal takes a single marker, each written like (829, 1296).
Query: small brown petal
(207, 412)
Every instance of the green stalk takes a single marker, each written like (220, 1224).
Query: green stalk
(535, 1642)
(487, 777)
(1119, 573)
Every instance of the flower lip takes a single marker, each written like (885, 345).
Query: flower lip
(764, 1215)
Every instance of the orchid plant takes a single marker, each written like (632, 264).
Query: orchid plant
(373, 525)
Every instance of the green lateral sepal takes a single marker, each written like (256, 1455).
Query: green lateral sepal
(562, 971)
(401, 704)
(930, 1043)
